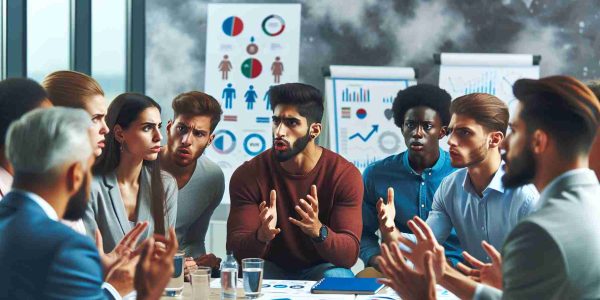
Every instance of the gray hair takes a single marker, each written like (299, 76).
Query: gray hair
(45, 139)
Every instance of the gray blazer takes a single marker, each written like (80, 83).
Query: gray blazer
(555, 252)
(106, 210)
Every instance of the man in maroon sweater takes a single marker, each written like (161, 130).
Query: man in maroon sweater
(296, 205)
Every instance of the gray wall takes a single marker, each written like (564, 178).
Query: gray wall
(387, 33)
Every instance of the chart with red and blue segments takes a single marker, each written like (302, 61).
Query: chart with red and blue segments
(233, 26)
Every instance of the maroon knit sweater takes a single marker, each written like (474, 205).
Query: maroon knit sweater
(339, 190)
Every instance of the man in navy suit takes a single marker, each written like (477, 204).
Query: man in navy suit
(40, 258)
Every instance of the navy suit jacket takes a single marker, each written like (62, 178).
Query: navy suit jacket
(44, 259)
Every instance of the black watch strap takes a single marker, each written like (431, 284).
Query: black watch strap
(323, 233)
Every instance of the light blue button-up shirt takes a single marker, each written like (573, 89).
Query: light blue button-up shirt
(413, 196)
(489, 218)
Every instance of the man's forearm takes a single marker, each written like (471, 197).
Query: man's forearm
(458, 284)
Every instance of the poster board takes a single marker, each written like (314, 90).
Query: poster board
(359, 111)
(465, 73)
(249, 48)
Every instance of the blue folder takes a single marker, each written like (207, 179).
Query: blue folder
(358, 286)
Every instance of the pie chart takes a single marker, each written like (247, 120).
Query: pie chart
(361, 113)
(233, 26)
(224, 141)
(251, 68)
(273, 25)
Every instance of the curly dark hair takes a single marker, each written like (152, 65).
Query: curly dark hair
(422, 95)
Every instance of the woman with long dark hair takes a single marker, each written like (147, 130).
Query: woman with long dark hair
(129, 186)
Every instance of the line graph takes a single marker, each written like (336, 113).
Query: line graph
(365, 138)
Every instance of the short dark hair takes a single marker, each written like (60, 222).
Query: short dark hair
(563, 107)
(198, 104)
(422, 95)
(305, 97)
(17, 97)
(487, 110)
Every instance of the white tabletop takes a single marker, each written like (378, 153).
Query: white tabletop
(297, 290)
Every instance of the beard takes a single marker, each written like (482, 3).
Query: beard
(476, 156)
(78, 202)
(298, 146)
(521, 169)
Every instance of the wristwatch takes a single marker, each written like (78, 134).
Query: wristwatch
(323, 232)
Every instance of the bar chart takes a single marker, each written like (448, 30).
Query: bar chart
(356, 95)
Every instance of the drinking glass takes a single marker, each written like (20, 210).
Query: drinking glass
(201, 283)
(175, 286)
(252, 269)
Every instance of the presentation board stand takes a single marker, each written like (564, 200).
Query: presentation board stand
(491, 73)
(360, 123)
(466, 73)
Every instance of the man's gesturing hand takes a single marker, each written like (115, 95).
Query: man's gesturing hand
(486, 273)
(309, 212)
(386, 212)
(268, 219)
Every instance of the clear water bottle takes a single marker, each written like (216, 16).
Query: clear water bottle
(229, 271)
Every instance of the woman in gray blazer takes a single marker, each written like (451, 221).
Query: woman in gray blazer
(128, 185)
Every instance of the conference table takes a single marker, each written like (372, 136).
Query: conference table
(297, 290)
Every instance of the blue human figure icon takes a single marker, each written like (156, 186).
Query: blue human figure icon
(228, 96)
(267, 98)
(250, 97)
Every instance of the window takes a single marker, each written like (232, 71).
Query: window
(47, 37)
(108, 45)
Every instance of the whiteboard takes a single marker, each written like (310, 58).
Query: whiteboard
(359, 111)
(249, 48)
(466, 73)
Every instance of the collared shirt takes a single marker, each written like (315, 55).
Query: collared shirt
(413, 196)
(490, 218)
(45, 206)
(6, 181)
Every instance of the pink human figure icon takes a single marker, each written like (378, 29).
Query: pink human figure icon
(225, 66)
(277, 69)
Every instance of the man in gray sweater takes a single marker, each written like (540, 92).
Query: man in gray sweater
(200, 181)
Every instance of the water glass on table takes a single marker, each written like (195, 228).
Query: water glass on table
(201, 283)
(175, 286)
(252, 269)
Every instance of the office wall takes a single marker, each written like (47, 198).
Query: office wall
(387, 33)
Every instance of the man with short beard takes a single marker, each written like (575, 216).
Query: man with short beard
(51, 153)
(552, 253)
(296, 205)
(473, 200)
(200, 181)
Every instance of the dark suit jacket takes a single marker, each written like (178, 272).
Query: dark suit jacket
(43, 259)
